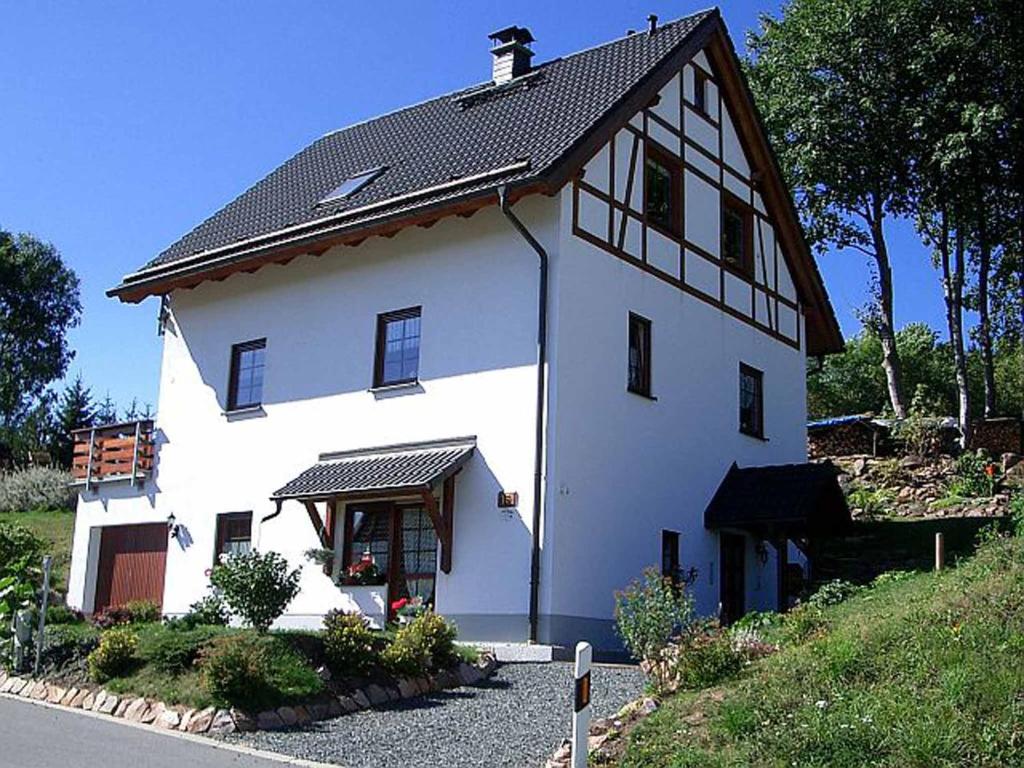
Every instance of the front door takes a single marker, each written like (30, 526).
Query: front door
(733, 577)
(131, 564)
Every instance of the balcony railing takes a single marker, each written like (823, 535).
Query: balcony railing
(113, 452)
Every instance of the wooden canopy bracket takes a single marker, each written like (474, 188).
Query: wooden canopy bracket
(442, 526)
(318, 525)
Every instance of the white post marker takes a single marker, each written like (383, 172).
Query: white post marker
(581, 705)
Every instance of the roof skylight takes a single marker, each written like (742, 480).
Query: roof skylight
(351, 185)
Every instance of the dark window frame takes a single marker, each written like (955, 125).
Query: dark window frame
(670, 546)
(222, 531)
(755, 429)
(654, 153)
(700, 91)
(383, 320)
(641, 384)
(732, 204)
(237, 350)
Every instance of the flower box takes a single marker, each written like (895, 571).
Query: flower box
(370, 601)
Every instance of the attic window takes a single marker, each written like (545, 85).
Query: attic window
(351, 185)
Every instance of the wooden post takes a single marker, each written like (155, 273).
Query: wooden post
(581, 705)
(940, 552)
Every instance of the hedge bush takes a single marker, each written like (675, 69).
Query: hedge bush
(115, 654)
(174, 651)
(133, 612)
(255, 671)
(705, 657)
(36, 488)
(426, 643)
(348, 643)
(20, 549)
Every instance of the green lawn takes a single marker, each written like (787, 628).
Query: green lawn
(923, 671)
(57, 529)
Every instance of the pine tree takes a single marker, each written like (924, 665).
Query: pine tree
(106, 412)
(74, 410)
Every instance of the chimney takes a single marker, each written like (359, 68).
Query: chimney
(511, 53)
(652, 24)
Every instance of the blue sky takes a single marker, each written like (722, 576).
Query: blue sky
(124, 124)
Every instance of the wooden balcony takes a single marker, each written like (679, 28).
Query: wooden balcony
(113, 453)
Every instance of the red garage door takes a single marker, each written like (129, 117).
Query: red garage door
(131, 567)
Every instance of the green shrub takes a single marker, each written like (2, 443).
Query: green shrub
(758, 620)
(115, 654)
(348, 643)
(705, 658)
(207, 611)
(35, 489)
(174, 651)
(970, 477)
(1017, 513)
(20, 550)
(67, 647)
(872, 502)
(61, 614)
(142, 611)
(256, 587)
(425, 643)
(255, 671)
(832, 593)
(649, 612)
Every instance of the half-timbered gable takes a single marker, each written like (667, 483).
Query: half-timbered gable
(675, 192)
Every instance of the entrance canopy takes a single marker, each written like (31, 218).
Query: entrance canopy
(389, 472)
(410, 467)
(785, 500)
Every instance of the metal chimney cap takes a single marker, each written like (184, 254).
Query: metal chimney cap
(512, 34)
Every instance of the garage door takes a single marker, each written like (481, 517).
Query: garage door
(131, 567)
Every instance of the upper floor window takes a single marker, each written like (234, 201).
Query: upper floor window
(398, 348)
(700, 90)
(234, 534)
(639, 380)
(245, 388)
(737, 234)
(662, 187)
(751, 401)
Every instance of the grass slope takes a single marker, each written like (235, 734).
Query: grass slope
(923, 671)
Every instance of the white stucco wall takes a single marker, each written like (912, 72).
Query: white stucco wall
(476, 281)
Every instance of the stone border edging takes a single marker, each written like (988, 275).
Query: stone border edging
(604, 730)
(213, 720)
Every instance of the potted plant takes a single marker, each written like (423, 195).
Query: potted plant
(364, 591)
(406, 609)
(322, 557)
(364, 572)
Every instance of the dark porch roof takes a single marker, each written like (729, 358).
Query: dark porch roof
(785, 499)
(405, 467)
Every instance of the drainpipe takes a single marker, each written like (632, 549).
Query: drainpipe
(538, 458)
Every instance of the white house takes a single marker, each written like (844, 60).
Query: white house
(518, 342)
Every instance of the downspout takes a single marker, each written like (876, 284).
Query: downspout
(538, 458)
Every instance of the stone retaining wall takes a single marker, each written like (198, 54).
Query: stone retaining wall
(219, 721)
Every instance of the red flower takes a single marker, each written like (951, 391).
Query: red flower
(990, 470)
(399, 604)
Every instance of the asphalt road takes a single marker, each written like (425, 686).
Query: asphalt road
(34, 736)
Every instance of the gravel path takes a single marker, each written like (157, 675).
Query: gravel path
(516, 719)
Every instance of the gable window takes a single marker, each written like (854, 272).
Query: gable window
(737, 234)
(662, 186)
(245, 388)
(751, 401)
(234, 534)
(700, 90)
(639, 380)
(670, 556)
(398, 348)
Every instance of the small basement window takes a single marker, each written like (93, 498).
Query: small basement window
(737, 235)
(662, 188)
(234, 534)
(351, 185)
(670, 556)
(751, 401)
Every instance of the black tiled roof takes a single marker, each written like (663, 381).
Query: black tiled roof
(414, 465)
(797, 497)
(531, 121)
